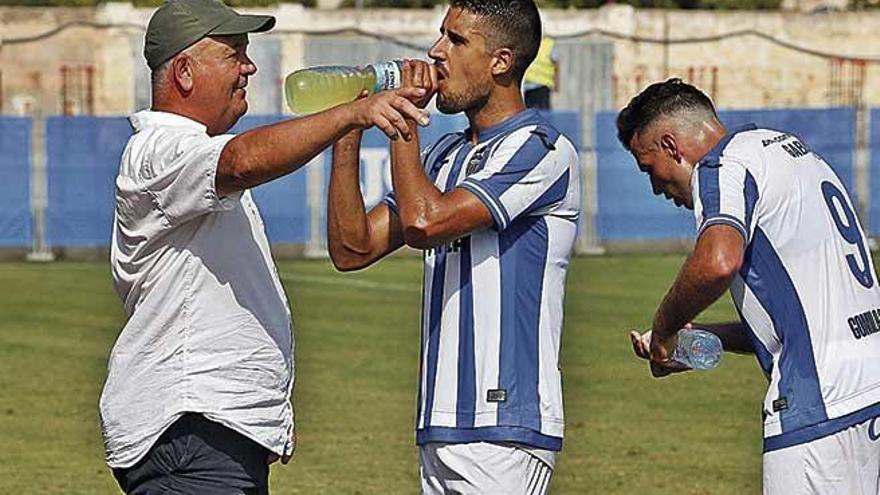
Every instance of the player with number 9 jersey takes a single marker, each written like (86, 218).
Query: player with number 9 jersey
(776, 226)
(806, 289)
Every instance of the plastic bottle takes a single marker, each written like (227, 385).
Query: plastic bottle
(698, 349)
(318, 88)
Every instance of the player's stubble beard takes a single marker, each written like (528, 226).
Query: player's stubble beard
(469, 100)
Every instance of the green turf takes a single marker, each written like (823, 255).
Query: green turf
(356, 360)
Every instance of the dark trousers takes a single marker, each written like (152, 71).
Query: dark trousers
(196, 456)
(538, 98)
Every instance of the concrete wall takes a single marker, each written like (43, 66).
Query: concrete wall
(740, 72)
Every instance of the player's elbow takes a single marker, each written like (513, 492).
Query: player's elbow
(422, 234)
(724, 266)
(416, 237)
(347, 262)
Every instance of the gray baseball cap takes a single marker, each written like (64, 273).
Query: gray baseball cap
(178, 24)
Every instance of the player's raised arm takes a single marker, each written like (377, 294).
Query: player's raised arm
(356, 239)
(428, 216)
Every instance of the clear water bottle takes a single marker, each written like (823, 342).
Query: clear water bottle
(698, 349)
(318, 88)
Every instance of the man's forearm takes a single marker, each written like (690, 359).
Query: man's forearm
(691, 293)
(416, 194)
(265, 153)
(347, 227)
(705, 276)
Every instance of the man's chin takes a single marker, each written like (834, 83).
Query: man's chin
(446, 109)
(446, 106)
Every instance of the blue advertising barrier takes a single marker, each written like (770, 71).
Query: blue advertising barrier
(15, 197)
(628, 210)
(83, 156)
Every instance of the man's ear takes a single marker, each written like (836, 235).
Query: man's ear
(182, 72)
(670, 146)
(502, 62)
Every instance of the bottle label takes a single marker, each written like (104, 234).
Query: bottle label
(387, 76)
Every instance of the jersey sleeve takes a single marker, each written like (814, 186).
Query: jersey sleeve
(726, 193)
(528, 171)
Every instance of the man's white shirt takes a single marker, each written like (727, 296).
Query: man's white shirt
(208, 326)
(807, 290)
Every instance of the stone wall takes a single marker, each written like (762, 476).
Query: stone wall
(86, 69)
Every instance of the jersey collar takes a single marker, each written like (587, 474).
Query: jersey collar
(714, 155)
(505, 125)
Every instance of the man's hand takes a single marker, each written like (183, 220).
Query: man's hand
(273, 457)
(419, 74)
(658, 350)
(389, 110)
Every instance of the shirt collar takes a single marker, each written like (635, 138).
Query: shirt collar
(150, 118)
(715, 153)
(505, 125)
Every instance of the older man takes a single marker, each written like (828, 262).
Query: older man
(197, 396)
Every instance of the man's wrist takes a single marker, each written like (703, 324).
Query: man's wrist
(354, 116)
(661, 329)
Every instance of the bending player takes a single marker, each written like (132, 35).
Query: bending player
(776, 226)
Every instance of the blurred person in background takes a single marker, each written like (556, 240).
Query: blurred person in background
(776, 226)
(494, 209)
(197, 397)
(542, 77)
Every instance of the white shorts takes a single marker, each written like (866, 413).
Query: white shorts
(845, 463)
(484, 468)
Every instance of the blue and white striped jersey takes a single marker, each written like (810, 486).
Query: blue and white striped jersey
(492, 301)
(807, 290)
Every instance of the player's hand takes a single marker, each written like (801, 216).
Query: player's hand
(293, 439)
(389, 110)
(419, 74)
(658, 351)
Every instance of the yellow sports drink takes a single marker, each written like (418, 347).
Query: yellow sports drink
(319, 88)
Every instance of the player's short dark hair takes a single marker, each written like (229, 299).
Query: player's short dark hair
(661, 99)
(513, 24)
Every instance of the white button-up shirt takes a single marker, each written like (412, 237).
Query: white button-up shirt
(208, 328)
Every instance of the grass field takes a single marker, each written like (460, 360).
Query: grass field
(356, 362)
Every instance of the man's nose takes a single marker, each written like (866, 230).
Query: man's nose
(248, 68)
(435, 53)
